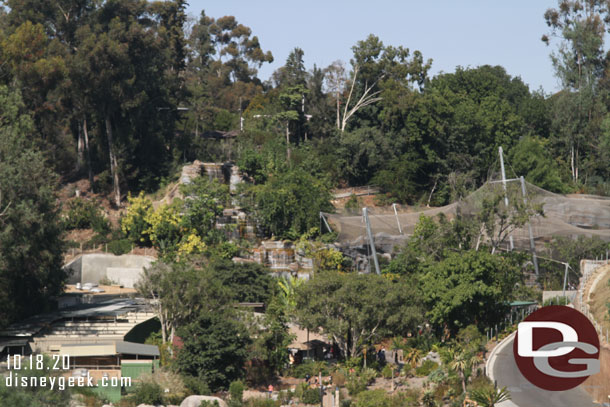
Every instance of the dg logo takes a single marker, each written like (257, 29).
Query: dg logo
(556, 348)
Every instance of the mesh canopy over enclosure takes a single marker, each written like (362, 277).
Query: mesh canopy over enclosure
(564, 215)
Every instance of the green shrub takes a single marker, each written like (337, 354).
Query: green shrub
(103, 183)
(387, 371)
(118, 247)
(225, 250)
(358, 382)
(236, 391)
(480, 383)
(196, 385)
(311, 368)
(83, 214)
(437, 375)
(427, 367)
(423, 342)
(259, 402)
(353, 363)
(380, 398)
(373, 398)
(95, 241)
(100, 225)
(310, 396)
(148, 393)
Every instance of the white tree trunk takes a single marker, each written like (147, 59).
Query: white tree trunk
(287, 141)
(80, 158)
(338, 110)
(86, 139)
(576, 163)
(572, 162)
(114, 167)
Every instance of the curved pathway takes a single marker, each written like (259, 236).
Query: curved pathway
(505, 371)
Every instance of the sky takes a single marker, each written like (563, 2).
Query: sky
(452, 33)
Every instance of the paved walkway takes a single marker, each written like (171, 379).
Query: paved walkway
(524, 394)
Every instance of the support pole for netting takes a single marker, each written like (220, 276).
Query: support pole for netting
(397, 221)
(565, 278)
(510, 238)
(365, 214)
(325, 222)
(529, 226)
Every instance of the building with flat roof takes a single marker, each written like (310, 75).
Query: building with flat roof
(108, 321)
(114, 366)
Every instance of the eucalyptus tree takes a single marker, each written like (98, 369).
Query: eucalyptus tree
(579, 64)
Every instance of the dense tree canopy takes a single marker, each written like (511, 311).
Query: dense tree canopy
(469, 288)
(31, 230)
(355, 310)
(214, 349)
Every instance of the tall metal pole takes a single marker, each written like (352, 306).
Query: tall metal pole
(397, 221)
(325, 222)
(529, 226)
(565, 279)
(371, 242)
(510, 238)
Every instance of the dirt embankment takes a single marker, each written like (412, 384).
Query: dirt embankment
(597, 295)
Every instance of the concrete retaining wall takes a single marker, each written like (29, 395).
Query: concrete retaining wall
(546, 295)
(91, 268)
(125, 276)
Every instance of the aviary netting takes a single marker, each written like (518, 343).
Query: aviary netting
(563, 215)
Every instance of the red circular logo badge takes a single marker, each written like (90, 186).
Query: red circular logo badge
(556, 348)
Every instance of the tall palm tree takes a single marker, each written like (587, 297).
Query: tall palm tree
(490, 396)
(462, 363)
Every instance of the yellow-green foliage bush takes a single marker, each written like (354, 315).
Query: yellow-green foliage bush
(134, 223)
(180, 228)
(190, 244)
(164, 230)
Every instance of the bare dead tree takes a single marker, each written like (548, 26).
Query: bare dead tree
(368, 97)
